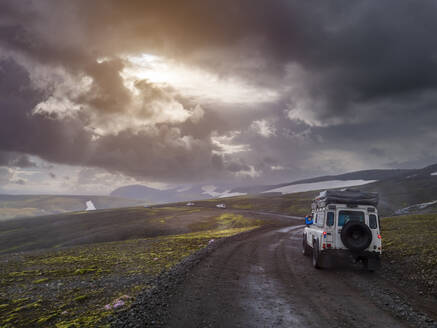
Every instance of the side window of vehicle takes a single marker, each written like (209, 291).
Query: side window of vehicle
(330, 219)
(372, 221)
(320, 220)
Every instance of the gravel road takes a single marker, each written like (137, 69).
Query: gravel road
(261, 279)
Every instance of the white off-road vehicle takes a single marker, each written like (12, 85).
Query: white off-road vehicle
(345, 224)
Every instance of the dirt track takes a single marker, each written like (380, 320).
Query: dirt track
(261, 279)
(264, 281)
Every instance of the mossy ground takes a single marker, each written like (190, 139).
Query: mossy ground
(72, 229)
(297, 204)
(69, 287)
(410, 244)
(16, 206)
(226, 220)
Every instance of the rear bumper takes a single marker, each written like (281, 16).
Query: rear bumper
(330, 256)
(345, 252)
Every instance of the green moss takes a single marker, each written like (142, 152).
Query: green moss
(242, 206)
(171, 208)
(11, 317)
(62, 260)
(24, 273)
(210, 234)
(84, 271)
(231, 220)
(30, 306)
(20, 300)
(81, 298)
(410, 241)
(46, 318)
(226, 221)
(3, 306)
(99, 264)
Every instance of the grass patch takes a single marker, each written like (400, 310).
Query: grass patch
(84, 271)
(242, 206)
(82, 280)
(226, 221)
(297, 204)
(410, 242)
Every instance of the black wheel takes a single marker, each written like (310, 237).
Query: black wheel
(356, 236)
(316, 256)
(305, 248)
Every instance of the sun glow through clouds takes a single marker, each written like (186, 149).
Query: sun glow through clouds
(192, 82)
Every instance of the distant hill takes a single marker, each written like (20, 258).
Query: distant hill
(381, 174)
(12, 206)
(141, 192)
(398, 188)
(417, 188)
(180, 194)
(401, 191)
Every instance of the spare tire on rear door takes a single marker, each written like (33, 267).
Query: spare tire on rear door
(356, 236)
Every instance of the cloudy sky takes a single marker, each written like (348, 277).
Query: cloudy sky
(98, 94)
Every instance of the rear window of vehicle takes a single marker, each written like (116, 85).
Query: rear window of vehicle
(346, 216)
(330, 219)
(372, 221)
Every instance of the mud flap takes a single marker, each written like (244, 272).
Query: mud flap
(372, 263)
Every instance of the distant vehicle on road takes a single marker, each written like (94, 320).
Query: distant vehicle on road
(190, 204)
(221, 205)
(345, 224)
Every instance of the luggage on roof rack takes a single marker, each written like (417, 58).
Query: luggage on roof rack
(346, 196)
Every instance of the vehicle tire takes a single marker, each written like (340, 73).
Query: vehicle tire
(356, 236)
(316, 256)
(305, 248)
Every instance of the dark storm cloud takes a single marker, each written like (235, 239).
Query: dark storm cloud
(24, 133)
(356, 76)
(160, 154)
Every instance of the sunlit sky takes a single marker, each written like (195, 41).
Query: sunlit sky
(97, 95)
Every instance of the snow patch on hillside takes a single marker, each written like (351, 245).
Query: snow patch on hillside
(90, 206)
(434, 173)
(212, 191)
(319, 185)
(415, 207)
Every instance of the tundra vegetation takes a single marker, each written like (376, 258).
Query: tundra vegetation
(81, 285)
(297, 204)
(96, 263)
(410, 249)
(15, 206)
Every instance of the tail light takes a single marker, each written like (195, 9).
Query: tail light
(324, 234)
(379, 236)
